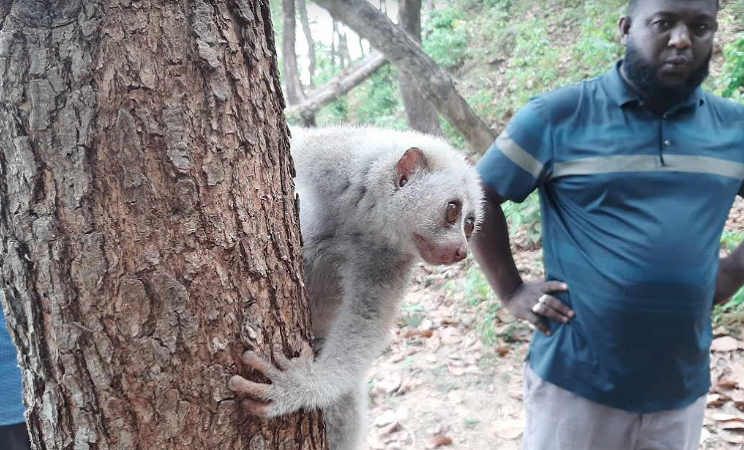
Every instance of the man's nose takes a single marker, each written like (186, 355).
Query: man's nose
(680, 37)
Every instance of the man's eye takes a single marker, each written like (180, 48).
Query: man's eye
(701, 29)
(663, 25)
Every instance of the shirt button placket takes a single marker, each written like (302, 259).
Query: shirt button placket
(665, 143)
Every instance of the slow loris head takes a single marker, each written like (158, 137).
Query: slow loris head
(433, 202)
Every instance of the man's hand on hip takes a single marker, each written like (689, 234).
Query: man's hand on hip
(531, 301)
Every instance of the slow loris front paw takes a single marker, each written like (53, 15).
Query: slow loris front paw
(291, 382)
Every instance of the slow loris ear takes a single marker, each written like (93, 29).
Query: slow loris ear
(411, 161)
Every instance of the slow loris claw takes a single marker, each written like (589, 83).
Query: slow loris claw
(286, 378)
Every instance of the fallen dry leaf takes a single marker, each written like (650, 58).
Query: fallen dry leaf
(389, 429)
(503, 350)
(386, 418)
(716, 400)
(732, 425)
(441, 440)
(734, 438)
(516, 391)
(725, 384)
(724, 417)
(724, 344)
(450, 336)
(509, 429)
(391, 383)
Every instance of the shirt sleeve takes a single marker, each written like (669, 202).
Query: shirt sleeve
(522, 156)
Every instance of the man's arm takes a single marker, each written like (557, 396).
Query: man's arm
(730, 275)
(730, 272)
(492, 251)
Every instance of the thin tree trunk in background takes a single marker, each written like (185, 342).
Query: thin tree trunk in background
(411, 61)
(302, 6)
(361, 46)
(289, 54)
(334, 33)
(343, 50)
(421, 113)
(148, 226)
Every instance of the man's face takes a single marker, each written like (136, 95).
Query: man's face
(670, 42)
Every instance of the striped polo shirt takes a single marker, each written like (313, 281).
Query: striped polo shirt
(11, 390)
(633, 207)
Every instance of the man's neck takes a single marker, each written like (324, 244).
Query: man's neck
(658, 107)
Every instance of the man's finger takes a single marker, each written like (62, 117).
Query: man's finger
(538, 322)
(542, 309)
(561, 308)
(243, 386)
(554, 286)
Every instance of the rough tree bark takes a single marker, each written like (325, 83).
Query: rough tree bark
(302, 6)
(420, 112)
(411, 61)
(289, 55)
(148, 227)
(338, 86)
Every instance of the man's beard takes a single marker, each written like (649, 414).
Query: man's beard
(648, 86)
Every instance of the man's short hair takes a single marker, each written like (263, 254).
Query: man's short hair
(633, 4)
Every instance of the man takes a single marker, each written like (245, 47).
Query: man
(637, 171)
(13, 434)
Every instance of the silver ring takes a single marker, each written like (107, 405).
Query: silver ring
(543, 298)
(535, 309)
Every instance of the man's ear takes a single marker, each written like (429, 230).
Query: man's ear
(624, 27)
(412, 160)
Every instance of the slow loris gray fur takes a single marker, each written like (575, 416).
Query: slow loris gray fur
(373, 203)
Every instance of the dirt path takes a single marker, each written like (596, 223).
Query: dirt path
(438, 384)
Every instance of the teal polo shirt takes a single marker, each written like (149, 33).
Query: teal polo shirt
(11, 390)
(633, 207)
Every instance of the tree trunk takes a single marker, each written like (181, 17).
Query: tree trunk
(338, 86)
(334, 32)
(302, 5)
(343, 50)
(291, 73)
(420, 112)
(412, 62)
(361, 46)
(148, 226)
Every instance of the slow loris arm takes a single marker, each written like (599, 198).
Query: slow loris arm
(372, 282)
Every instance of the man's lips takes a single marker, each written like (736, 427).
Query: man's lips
(677, 66)
(678, 61)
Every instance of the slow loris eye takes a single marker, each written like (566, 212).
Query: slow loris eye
(453, 212)
(469, 227)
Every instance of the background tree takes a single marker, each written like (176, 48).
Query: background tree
(147, 221)
(302, 7)
(412, 62)
(291, 73)
(420, 112)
